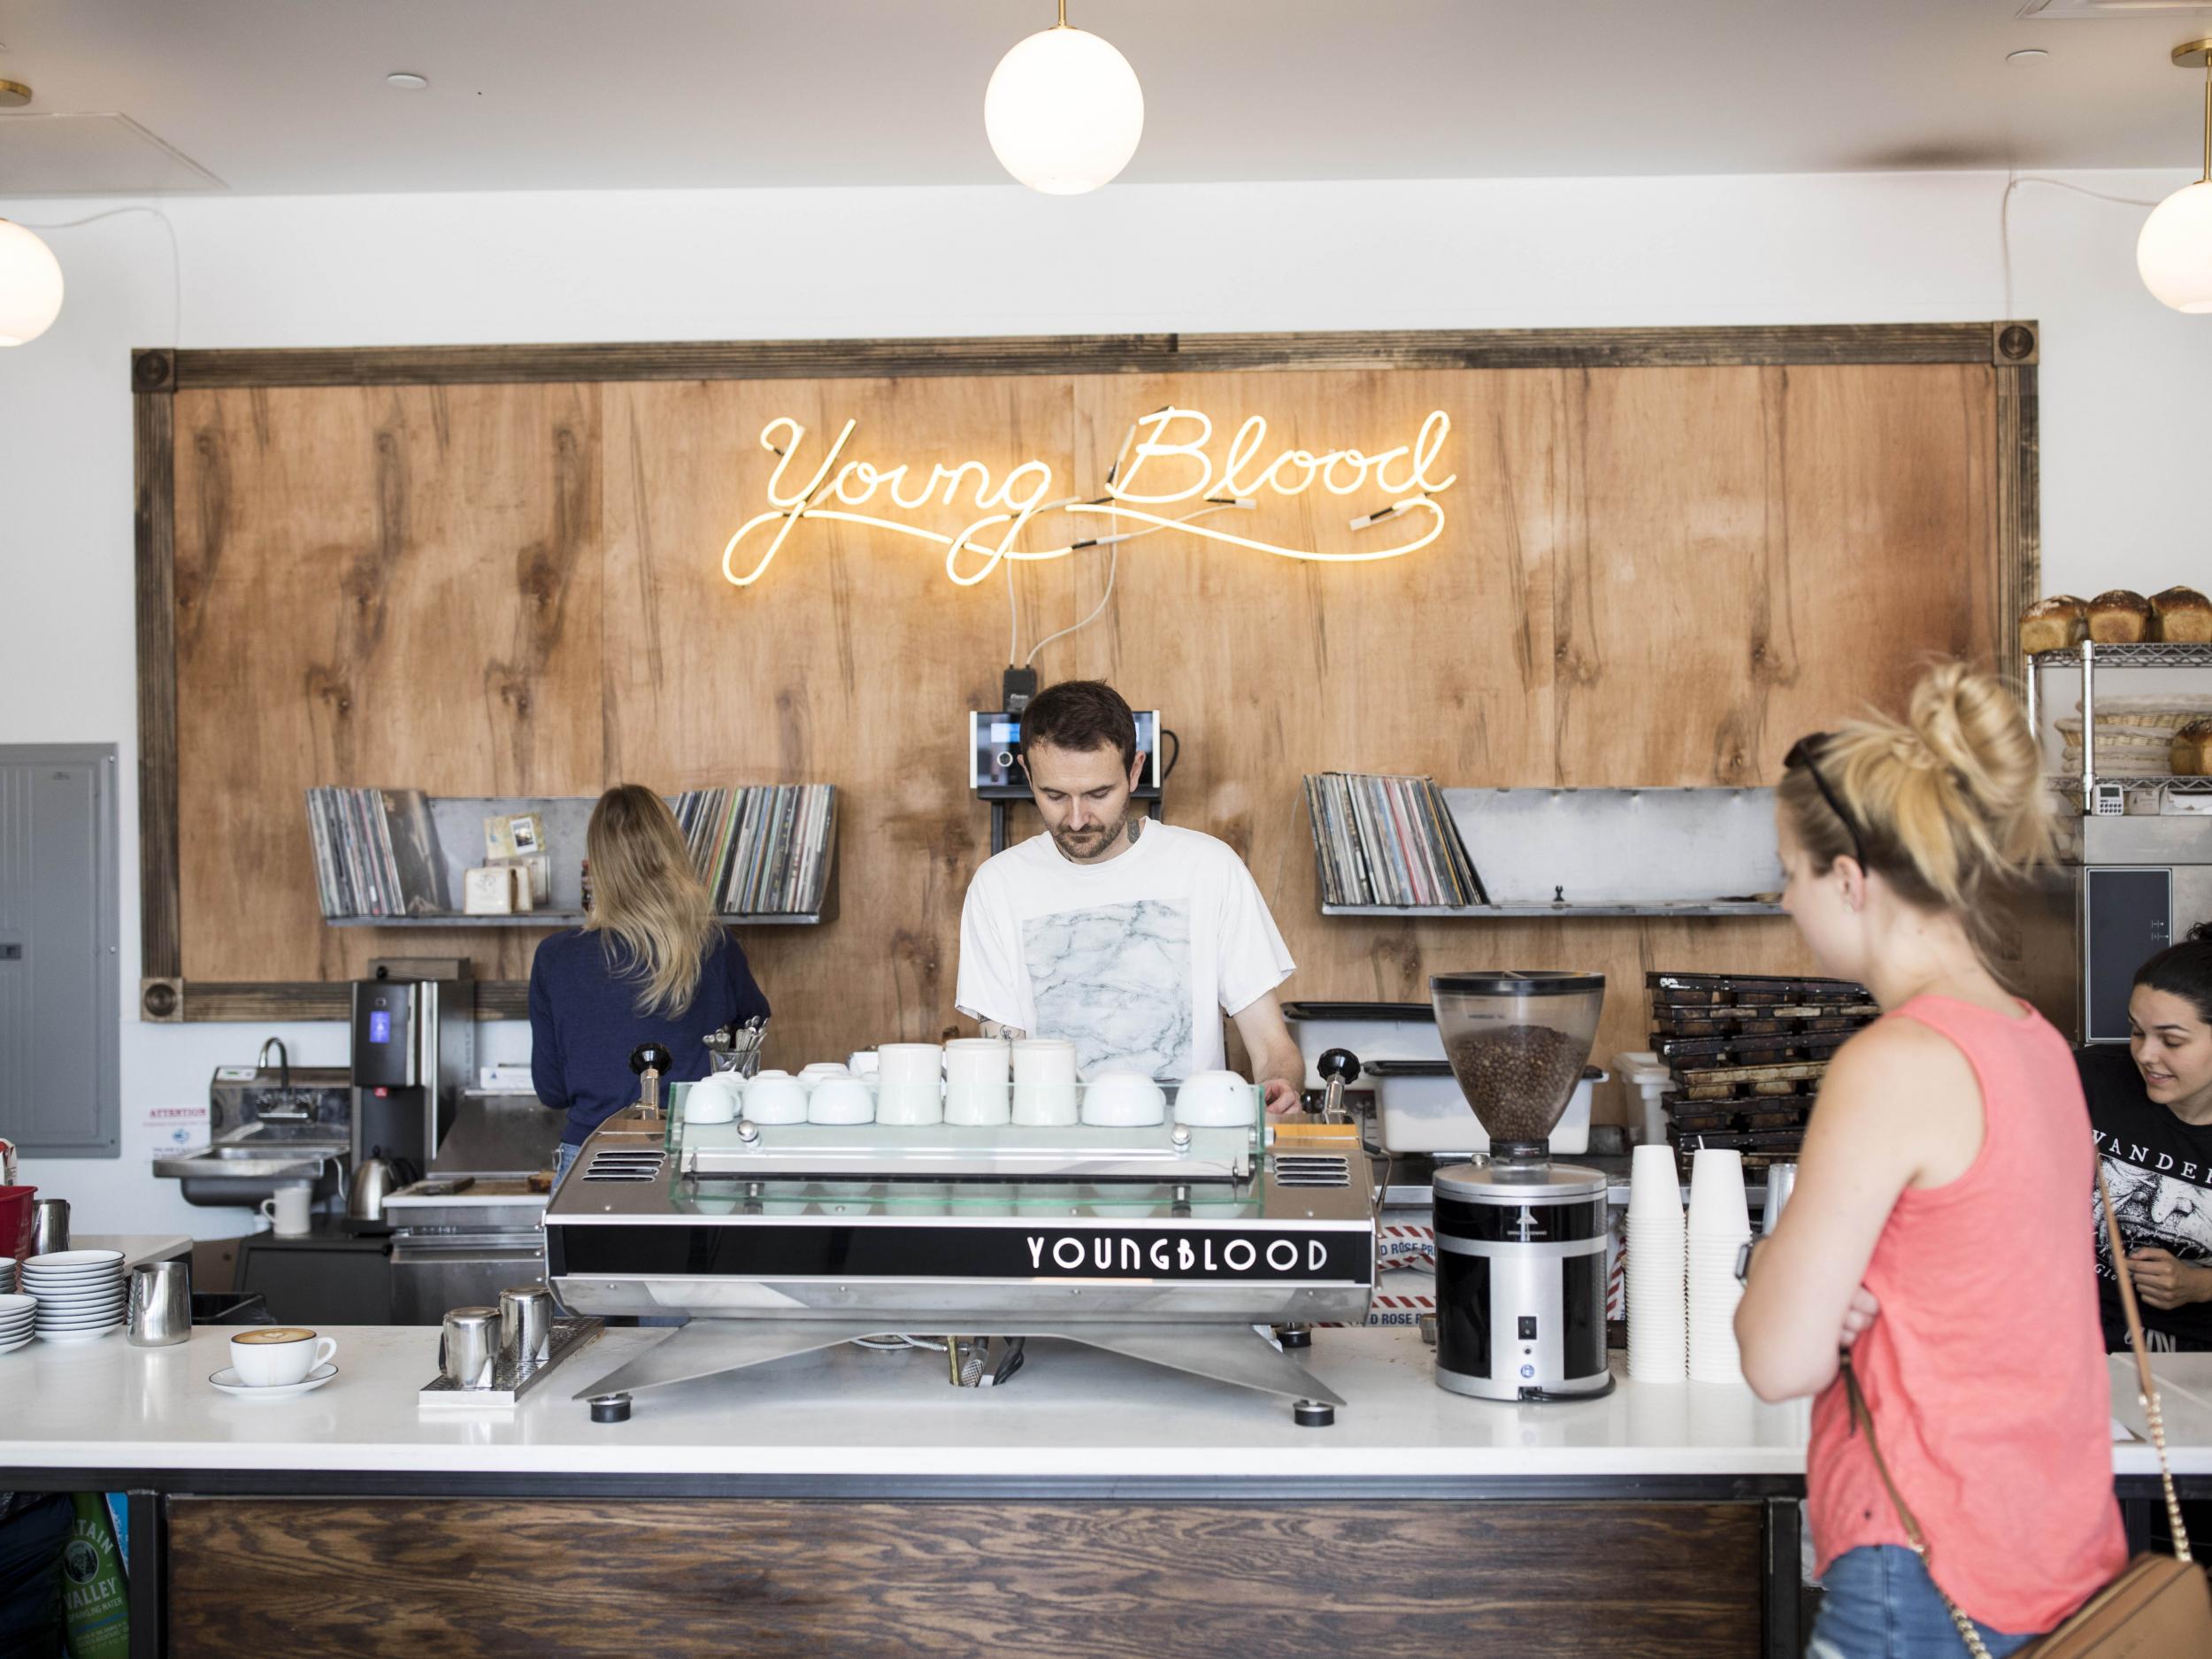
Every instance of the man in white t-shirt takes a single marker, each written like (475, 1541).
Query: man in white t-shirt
(1129, 937)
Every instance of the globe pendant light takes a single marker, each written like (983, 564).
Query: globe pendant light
(30, 276)
(1064, 110)
(30, 285)
(2174, 253)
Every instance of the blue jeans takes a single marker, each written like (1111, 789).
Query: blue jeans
(1878, 1602)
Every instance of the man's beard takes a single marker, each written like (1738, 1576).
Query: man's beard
(1087, 845)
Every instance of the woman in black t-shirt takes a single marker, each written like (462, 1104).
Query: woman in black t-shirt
(2151, 1108)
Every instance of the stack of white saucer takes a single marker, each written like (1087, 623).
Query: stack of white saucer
(1656, 1321)
(7, 1287)
(1719, 1225)
(16, 1316)
(80, 1293)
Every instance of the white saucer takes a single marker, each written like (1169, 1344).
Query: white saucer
(15, 1343)
(80, 1336)
(226, 1379)
(63, 1260)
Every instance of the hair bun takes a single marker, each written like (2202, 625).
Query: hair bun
(1969, 725)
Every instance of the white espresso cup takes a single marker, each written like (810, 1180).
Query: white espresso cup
(286, 1210)
(714, 1100)
(271, 1355)
(775, 1097)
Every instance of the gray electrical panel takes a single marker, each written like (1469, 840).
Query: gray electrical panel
(60, 994)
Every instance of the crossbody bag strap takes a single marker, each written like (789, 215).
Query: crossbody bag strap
(1862, 1419)
(2148, 1385)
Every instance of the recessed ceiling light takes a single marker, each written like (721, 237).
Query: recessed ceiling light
(2027, 55)
(406, 80)
(13, 94)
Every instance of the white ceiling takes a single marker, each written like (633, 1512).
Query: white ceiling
(274, 96)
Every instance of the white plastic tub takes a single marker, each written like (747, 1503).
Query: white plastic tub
(1418, 1108)
(1373, 1030)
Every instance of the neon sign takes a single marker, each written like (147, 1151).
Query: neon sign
(1175, 473)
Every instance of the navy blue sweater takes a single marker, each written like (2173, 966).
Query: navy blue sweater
(584, 1023)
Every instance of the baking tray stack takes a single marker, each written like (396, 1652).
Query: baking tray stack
(1747, 1052)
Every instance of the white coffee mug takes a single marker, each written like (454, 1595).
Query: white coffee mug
(1044, 1082)
(286, 1210)
(271, 1355)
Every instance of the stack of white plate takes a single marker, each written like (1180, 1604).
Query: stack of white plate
(8, 1285)
(80, 1293)
(1719, 1226)
(1658, 1321)
(16, 1314)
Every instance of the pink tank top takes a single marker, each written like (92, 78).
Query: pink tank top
(1986, 1371)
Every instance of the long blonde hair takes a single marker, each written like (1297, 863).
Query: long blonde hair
(1949, 803)
(647, 897)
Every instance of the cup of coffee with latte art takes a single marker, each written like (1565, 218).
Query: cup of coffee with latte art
(271, 1355)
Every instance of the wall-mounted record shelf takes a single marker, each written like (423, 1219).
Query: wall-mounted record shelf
(428, 841)
(1528, 912)
(1574, 853)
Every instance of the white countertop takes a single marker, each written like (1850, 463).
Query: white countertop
(1070, 1413)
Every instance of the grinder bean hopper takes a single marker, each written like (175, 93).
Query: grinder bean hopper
(1520, 1240)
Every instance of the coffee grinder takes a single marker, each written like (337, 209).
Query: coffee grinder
(1520, 1240)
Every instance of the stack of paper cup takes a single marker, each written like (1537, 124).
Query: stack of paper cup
(1719, 1225)
(977, 1089)
(1658, 1319)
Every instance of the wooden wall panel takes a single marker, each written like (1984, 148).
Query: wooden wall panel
(1090, 1581)
(1650, 575)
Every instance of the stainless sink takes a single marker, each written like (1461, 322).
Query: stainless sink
(247, 1171)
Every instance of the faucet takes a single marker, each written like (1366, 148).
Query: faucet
(285, 1107)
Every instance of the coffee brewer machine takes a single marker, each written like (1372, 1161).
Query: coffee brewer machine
(414, 1051)
(1520, 1240)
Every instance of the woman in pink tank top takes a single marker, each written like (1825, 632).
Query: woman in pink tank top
(1935, 1229)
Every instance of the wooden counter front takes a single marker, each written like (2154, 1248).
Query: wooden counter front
(399, 1577)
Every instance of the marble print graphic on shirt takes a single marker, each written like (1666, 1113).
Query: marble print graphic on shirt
(1117, 980)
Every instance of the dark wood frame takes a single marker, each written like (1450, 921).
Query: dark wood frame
(2012, 348)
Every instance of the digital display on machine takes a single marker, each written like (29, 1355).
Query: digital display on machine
(380, 1025)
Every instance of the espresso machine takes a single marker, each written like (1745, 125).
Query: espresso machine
(413, 1053)
(1520, 1240)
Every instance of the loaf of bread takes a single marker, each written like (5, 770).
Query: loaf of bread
(2181, 616)
(2119, 617)
(2054, 624)
(2193, 751)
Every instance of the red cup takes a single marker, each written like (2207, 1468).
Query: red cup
(15, 1220)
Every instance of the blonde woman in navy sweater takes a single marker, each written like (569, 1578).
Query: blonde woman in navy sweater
(650, 964)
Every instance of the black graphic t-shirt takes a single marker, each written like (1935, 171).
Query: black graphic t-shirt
(2159, 1169)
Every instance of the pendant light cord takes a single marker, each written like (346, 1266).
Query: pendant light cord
(2013, 182)
(176, 262)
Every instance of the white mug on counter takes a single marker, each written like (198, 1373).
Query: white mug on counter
(286, 1210)
(977, 1090)
(1044, 1082)
(910, 1083)
(271, 1355)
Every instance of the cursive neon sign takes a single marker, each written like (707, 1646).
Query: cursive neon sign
(1164, 452)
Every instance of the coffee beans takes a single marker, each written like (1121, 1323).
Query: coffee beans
(1517, 1077)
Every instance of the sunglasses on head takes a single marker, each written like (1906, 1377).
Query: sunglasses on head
(1803, 753)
